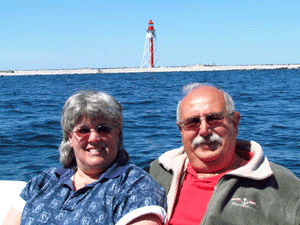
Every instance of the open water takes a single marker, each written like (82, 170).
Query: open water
(30, 133)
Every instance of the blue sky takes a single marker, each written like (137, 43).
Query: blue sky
(110, 34)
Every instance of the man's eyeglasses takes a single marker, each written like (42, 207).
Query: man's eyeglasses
(101, 129)
(193, 123)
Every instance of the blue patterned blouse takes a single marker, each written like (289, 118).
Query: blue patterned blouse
(122, 193)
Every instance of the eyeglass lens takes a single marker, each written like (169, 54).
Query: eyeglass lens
(102, 129)
(194, 122)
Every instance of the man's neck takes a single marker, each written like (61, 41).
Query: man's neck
(237, 162)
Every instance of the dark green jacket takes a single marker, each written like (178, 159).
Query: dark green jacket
(257, 193)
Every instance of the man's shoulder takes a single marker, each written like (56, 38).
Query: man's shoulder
(162, 169)
(167, 160)
(284, 174)
(155, 168)
(161, 175)
(285, 183)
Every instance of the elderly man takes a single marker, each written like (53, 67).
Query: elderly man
(215, 178)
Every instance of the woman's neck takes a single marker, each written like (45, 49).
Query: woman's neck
(81, 179)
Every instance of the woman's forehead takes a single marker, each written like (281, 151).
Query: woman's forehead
(85, 119)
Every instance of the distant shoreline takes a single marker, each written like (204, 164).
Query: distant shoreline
(147, 70)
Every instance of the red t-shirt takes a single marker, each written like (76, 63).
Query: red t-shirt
(194, 196)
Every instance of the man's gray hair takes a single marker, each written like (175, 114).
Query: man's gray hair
(94, 105)
(190, 87)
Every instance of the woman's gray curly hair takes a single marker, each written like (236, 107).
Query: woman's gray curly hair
(92, 104)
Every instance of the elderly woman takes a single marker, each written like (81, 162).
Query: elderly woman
(96, 185)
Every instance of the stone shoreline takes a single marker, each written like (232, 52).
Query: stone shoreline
(147, 70)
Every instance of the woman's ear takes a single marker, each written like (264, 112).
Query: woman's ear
(70, 138)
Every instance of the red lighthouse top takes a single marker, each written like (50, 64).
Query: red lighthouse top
(150, 23)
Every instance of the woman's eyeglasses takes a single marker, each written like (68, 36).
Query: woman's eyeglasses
(101, 129)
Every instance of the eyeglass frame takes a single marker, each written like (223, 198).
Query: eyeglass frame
(197, 127)
(87, 134)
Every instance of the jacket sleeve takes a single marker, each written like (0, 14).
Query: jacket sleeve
(161, 175)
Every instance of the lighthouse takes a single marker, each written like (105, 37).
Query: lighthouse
(150, 55)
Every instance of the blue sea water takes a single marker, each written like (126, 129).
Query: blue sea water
(30, 133)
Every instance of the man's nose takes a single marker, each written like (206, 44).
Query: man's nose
(204, 128)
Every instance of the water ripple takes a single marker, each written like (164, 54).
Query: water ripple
(30, 133)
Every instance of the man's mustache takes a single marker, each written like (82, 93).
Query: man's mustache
(207, 140)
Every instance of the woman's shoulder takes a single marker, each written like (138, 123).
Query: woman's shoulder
(50, 173)
(133, 170)
(41, 181)
(139, 178)
(46, 176)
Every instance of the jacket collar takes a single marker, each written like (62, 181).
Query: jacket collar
(258, 167)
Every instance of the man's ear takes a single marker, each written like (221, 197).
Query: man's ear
(119, 129)
(236, 119)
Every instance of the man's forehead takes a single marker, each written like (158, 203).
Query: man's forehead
(205, 95)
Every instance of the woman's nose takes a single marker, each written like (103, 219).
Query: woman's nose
(94, 136)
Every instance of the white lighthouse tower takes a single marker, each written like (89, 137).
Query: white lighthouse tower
(150, 49)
